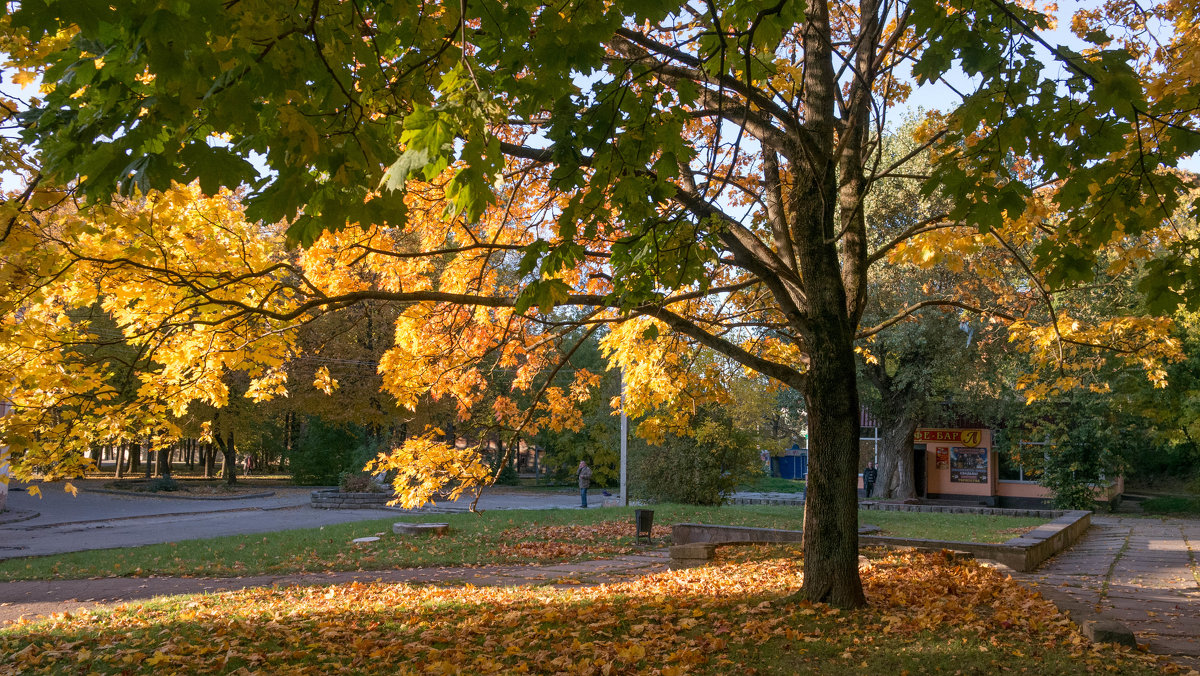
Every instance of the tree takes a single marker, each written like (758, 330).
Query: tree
(692, 170)
(1070, 336)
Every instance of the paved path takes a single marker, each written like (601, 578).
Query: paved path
(104, 520)
(1141, 571)
(34, 598)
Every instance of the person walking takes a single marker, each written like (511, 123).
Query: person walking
(870, 474)
(585, 480)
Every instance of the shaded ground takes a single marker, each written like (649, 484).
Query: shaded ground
(31, 599)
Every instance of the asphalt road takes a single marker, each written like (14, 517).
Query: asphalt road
(104, 521)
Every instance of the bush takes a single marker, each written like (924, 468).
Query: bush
(508, 476)
(358, 482)
(164, 484)
(699, 470)
(324, 451)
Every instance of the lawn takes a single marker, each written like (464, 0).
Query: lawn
(1181, 505)
(927, 614)
(774, 484)
(494, 537)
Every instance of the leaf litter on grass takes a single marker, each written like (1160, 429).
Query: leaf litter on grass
(925, 610)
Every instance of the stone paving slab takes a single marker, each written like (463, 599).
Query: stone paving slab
(1141, 572)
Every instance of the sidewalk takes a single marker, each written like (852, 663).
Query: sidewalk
(35, 598)
(1140, 571)
(105, 520)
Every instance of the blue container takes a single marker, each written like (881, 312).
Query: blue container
(793, 466)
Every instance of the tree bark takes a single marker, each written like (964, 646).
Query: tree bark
(210, 461)
(831, 505)
(897, 414)
(164, 462)
(896, 455)
(119, 451)
(149, 459)
(229, 459)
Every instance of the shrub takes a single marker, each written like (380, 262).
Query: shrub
(165, 484)
(358, 482)
(508, 476)
(324, 451)
(699, 470)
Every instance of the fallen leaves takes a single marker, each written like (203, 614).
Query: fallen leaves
(924, 609)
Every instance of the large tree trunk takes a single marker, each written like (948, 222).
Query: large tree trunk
(831, 505)
(149, 459)
(813, 204)
(897, 414)
(896, 455)
(164, 462)
(119, 451)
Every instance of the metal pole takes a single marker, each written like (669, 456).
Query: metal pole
(624, 445)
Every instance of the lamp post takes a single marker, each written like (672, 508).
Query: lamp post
(624, 445)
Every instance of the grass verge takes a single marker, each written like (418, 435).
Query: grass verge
(1172, 504)
(774, 484)
(494, 537)
(927, 614)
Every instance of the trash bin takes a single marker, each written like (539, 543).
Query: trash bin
(643, 520)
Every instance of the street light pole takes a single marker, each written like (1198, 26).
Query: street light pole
(624, 445)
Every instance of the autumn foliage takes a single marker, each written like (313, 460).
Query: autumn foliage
(927, 612)
(693, 175)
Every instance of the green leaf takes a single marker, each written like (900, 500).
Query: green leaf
(409, 162)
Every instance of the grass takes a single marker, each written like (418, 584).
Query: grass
(927, 614)
(494, 537)
(772, 484)
(1172, 504)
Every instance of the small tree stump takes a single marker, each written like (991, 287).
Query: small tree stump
(401, 528)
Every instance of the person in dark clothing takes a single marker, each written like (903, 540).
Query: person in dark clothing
(585, 480)
(870, 474)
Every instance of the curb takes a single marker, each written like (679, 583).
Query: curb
(153, 516)
(17, 517)
(139, 494)
(962, 509)
(1023, 553)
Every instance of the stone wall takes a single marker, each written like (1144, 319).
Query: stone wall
(1037, 513)
(1023, 553)
(332, 498)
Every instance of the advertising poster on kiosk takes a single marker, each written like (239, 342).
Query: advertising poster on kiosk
(942, 457)
(968, 465)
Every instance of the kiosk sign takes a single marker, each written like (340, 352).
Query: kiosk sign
(968, 438)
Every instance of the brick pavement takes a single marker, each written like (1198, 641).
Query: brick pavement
(1141, 571)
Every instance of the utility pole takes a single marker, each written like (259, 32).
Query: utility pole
(624, 446)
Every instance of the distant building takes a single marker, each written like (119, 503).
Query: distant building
(962, 464)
